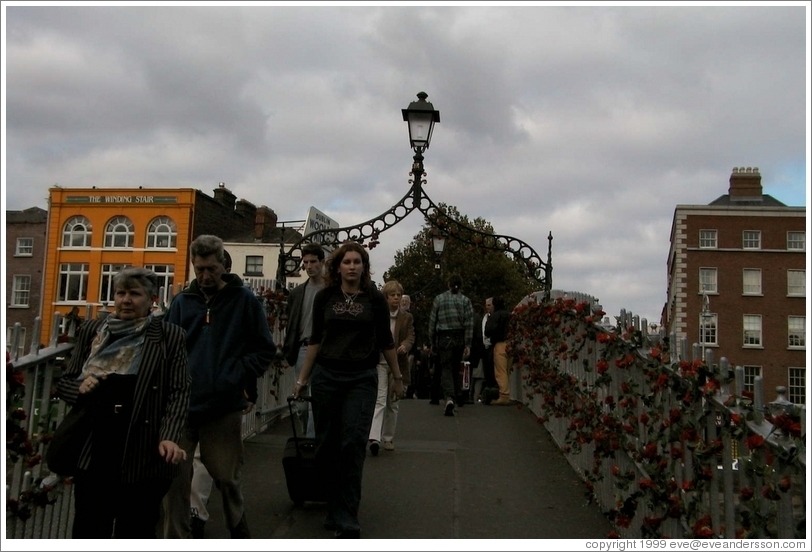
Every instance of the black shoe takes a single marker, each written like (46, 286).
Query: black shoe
(374, 447)
(241, 530)
(348, 534)
(449, 408)
(198, 527)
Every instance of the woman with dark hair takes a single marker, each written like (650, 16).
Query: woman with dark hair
(130, 369)
(350, 331)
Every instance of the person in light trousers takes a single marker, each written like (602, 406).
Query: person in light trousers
(385, 417)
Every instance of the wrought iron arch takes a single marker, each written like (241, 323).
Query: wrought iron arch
(368, 232)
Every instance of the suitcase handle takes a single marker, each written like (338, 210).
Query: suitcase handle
(302, 398)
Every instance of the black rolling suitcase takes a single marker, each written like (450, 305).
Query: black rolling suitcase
(305, 483)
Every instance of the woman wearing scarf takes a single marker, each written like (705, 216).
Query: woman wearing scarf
(130, 369)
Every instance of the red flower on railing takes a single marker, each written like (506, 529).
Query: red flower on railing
(627, 415)
(703, 528)
(787, 425)
(754, 441)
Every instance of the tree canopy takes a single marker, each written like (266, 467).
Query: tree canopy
(485, 272)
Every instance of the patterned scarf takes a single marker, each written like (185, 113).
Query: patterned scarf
(117, 347)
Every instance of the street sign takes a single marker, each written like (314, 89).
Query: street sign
(317, 221)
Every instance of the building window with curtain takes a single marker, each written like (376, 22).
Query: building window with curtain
(162, 233)
(796, 326)
(119, 233)
(707, 280)
(20, 290)
(707, 239)
(76, 232)
(796, 283)
(25, 247)
(751, 281)
(707, 329)
(752, 330)
(72, 282)
(796, 241)
(253, 265)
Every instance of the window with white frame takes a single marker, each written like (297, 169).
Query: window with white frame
(20, 290)
(752, 330)
(10, 341)
(107, 294)
(166, 279)
(253, 265)
(796, 327)
(751, 239)
(796, 241)
(76, 232)
(119, 233)
(796, 283)
(750, 375)
(25, 247)
(707, 280)
(707, 239)
(162, 233)
(797, 385)
(707, 328)
(751, 281)
(72, 282)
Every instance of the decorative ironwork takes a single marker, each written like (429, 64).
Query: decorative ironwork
(367, 233)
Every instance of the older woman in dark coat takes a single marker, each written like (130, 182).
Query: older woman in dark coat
(130, 369)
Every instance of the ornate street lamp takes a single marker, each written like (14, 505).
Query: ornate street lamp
(421, 117)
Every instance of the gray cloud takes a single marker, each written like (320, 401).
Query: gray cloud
(592, 123)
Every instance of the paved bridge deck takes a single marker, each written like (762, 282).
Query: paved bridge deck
(489, 472)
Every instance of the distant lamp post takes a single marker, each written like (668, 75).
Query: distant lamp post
(706, 318)
(438, 242)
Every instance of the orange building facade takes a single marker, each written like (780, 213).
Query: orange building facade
(94, 233)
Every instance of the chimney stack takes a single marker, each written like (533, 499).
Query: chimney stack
(264, 223)
(246, 209)
(745, 184)
(224, 196)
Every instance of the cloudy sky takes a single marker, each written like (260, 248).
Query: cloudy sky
(588, 121)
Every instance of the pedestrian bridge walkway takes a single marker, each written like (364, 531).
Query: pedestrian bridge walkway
(490, 472)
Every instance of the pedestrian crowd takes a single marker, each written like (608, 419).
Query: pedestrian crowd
(166, 393)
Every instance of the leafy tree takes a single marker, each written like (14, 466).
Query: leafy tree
(485, 272)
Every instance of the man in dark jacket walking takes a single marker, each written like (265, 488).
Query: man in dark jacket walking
(227, 338)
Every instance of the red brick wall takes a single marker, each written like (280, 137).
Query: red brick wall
(730, 305)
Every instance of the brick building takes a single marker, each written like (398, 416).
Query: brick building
(93, 233)
(25, 257)
(737, 283)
